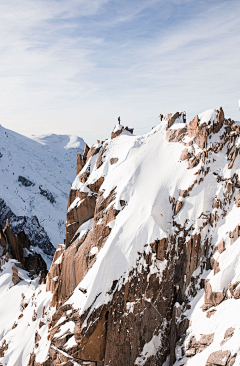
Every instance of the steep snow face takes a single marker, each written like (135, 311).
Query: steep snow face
(163, 197)
(24, 317)
(36, 174)
(147, 174)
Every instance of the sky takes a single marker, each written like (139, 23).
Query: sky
(74, 66)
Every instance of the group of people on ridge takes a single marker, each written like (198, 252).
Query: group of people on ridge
(161, 117)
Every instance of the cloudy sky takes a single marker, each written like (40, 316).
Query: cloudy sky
(74, 66)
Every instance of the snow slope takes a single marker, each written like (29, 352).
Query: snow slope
(35, 175)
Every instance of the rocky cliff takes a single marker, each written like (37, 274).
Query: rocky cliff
(150, 272)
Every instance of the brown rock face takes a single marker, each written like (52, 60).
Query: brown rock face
(218, 358)
(178, 207)
(18, 247)
(113, 161)
(235, 234)
(171, 118)
(198, 346)
(237, 202)
(15, 277)
(221, 246)
(185, 155)
(80, 163)
(212, 298)
(217, 126)
(228, 334)
(55, 269)
(78, 215)
(117, 133)
(176, 135)
(77, 257)
(201, 132)
(3, 348)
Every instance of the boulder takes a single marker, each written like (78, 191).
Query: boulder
(178, 207)
(218, 358)
(212, 298)
(228, 334)
(221, 246)
(185, 155)
(15, 277)
(113, 161)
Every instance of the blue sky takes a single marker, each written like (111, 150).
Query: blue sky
(73, 66)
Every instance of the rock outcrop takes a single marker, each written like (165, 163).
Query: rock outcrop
(147, 304)
(18, 247)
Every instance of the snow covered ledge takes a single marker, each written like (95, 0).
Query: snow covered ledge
(118, 129)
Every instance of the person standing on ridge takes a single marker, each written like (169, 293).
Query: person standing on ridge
(161, 117)
(119, 119)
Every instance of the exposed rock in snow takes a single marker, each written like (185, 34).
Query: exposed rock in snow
(150, 273)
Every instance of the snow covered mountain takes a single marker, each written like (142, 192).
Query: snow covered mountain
(149, 273)
(35, 176)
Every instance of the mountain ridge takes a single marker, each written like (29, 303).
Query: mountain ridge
(149, 273)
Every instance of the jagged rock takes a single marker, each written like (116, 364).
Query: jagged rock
(78, 215)
(215, 265)
(198, 346)
(221, 246)
(237, 202)
(55, 269)
(212, 298)
(160, 248)
(185, 155)
(218, 358)
(178, 207)
(176, 135)
(210, 313)
(30, 225)
(234, 289)
(3, 348)
(234, 235)
(80, 163)
(79, 251)
(46, 193)
(118, 132)
(228, 334)
(19, 248)
(194, 161)
(230, 165)
(99, 161)
(94, 187)
(201, 132)
(15, 277)
(25, 182)
(113, 161)
(171, 118)
(85, 153)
